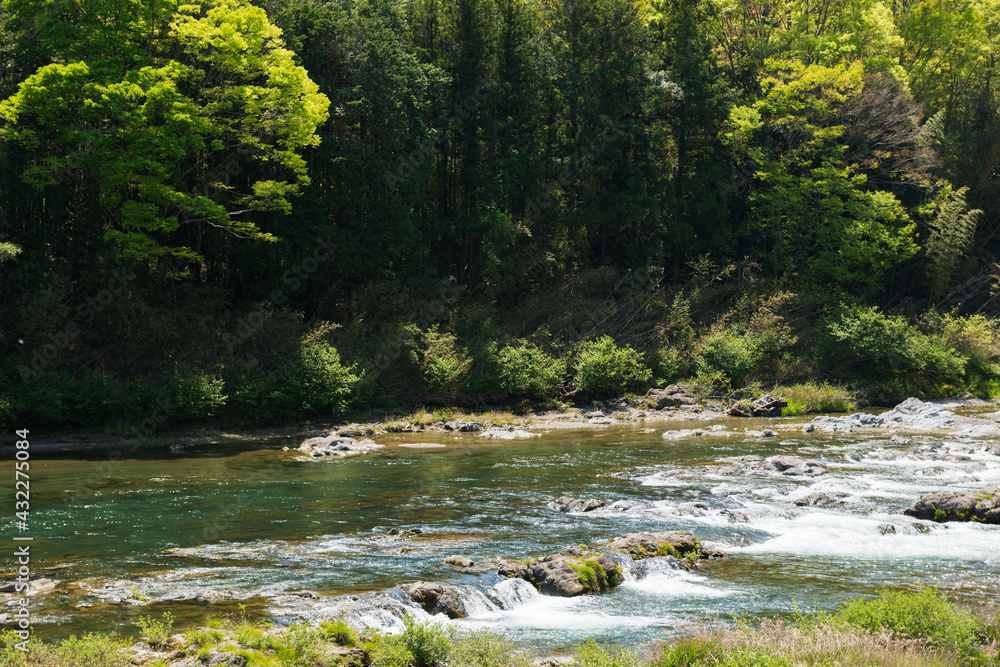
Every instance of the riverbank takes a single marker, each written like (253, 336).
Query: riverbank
(896, 629)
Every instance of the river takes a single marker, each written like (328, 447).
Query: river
(158, 529)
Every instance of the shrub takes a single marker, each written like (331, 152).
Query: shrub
(326, 384)
(815, 397)
(922, 615)
(525, 370)
(391, 652)
(445, 366)
(603, 367)
(428, 643)
(339, 632)
(157, 632)
(592, 654)
(729, 352)
(887, 345)
(482, 648)
(197, 394)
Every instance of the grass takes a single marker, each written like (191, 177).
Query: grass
(813, 397)
(895, 629)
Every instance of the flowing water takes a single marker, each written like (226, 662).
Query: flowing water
(252, 524)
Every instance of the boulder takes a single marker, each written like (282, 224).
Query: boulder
(338, 446)
(912, 415)
(765, 406)
(512, 569)
(225, 658)
(567, 504)
(982, 506)
(459, 561)
(794, 466)
(436, 598)
(675, 543)
(38, 586)
(575, 572)
(673, 396)
(556, 577)
(817, 499)
(504, 434)
(463, 426)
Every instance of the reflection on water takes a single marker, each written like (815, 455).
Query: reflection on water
(163, 531)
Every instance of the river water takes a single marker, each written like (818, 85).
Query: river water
(159, 529)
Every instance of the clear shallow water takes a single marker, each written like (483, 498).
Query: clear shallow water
(259, 523)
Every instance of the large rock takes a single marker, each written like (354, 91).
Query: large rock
(567, 504)
(504, 434)
(571, 575)
(338, 446)
(677, 543)
(982, 506)
(673, 396)
(795, 465)
(912, 415)
(38, 586)
(765, 406)
(436, 598)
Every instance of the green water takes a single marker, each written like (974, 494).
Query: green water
(260, 522)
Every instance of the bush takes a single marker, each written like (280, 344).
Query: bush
(886, 345)
(339, 632)
(445, 366)
(325, 383)
(428, 643)
(592, 654)
(603, 367)
(197, 394)
(482, 648)
(525, 370)
(814, 397)
(923, 615)
(157, 632)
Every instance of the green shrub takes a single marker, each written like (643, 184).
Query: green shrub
(428, 643)
(592, 654)
(197, 394)
(157, 632)
(670, 365)
(339, 632)
(391, 652)
(525, 370)
(794, 409)
(922, 615)
(729, 352)
(482, 648)
(445, 366)
(687, 653)
(883, 345)
(709, 383)
(603, 367)
(325, 383)
(814, 397)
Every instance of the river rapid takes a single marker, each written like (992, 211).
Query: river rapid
(204, 531)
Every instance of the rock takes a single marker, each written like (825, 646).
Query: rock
(735, 516)
(886, 529)
(554, 661)
(6, 618)
(512, 568)
(768, 433)
(594, 414)
(436, 598)
(675, 543)
(463, 426)
(601, 421)
(567, 504)
(808, 428)
(913, 415)
(459, 561)
(817, 499)
(38, 586)
(982, 506)
(694, 433)
(674, 396)
(335, 445)
(794, 465)
(556, 577)
(765, 406)
(225, 659)
(501, 434)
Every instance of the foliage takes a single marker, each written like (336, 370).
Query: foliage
(525, 370)
(481, 648)
(157, 632)
(592, 654)
(198, 395)
(951, 235)
(812, 397)
(925, 615)
(339, 632)
(602, 367)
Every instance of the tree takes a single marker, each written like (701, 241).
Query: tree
(164, 110)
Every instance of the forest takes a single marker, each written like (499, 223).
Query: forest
(224, 211)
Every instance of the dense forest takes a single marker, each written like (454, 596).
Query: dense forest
(267, 212)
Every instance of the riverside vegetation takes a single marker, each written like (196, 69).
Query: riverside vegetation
(896, 629)
(256, 213)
